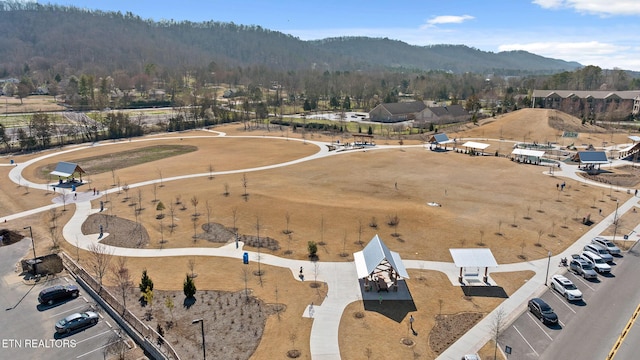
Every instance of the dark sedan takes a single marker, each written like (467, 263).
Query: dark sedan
(76, 321)
(543, 311)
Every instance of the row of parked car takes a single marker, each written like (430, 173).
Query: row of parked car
(595, 258)
(76, 321)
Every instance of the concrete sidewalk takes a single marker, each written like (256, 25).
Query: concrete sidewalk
(340, 277)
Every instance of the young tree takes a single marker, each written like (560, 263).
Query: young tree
(122, 279)
(313, 249)
(160, 207)
(100, 259)
(210, 171)
(189, 287)
(168, 303)
(195, 202)
(497, 327)
(287, 218)
(245, 184)
(145, 282)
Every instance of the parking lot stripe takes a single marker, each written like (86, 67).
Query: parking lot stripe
(109, 325)
(67, 311)
(535, 320)
(525, 340)
(94, 350)
(563, 301)
(584, 282)
(94, 336)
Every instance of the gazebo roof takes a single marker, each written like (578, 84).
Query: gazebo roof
(475, 145)
(479, 257)
(67, 169)
(592, 157)
(527, 152)
(440, 138)
(374, 254)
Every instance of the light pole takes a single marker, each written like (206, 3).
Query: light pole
(33, 244)
(204, 348)
(548, 263)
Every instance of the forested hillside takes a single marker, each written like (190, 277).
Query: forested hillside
(73, 41)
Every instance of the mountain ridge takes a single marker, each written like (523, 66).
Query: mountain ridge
(68, 39)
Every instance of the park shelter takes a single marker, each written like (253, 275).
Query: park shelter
(440, 139)
(475, 146)
(527, 155)
(68, 170)
(471, 260)
(363, 140)
(377, 264)
(589, 159)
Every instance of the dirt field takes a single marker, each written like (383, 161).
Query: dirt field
(514, 209)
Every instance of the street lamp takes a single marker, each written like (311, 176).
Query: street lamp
(548, 263)
(204, 348)
(32, 242)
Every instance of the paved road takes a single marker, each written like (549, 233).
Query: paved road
(594, 330)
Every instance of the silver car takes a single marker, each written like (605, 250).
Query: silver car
(583, 267)
(76, 321)
(600, 250)
(607, 244)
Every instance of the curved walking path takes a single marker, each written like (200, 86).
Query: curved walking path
(340, 277)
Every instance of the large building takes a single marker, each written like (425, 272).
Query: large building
(418, 112)
(594, 103)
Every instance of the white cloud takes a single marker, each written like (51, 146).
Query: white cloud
(597, 7)
(447, 19)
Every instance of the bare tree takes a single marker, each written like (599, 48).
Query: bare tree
(497, 327)
(172, 211)
(160, 176)
(140, 208)
(360, 242)
(321, 242)
(209, 210)
(259, 250)
(540, 232)
(245, 184)
(226, 189)
(210, 172)
(191, 264)
(194, 202)
(287, 218)
(122, 279)
(113, 177)
(116, 346)
(100, 257)
(245, 278)
(481, 243)
(155, 192)
(499, 233)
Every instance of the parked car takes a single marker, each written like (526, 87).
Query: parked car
(76, 321)
(542, 311)
(609, 245)
(58, 293)
(600, 265)
(583, 267)
(471, 357)
(600, 250)
(566, 288)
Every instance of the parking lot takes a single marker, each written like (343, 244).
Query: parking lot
(27, 329)
(587, 328)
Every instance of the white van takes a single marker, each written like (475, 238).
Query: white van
(599, 264)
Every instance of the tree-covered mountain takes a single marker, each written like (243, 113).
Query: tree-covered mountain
(451, 58)
(68, 40)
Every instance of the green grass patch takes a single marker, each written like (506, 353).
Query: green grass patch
(120, 160)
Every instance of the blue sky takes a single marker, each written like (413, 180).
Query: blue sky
(592, 32)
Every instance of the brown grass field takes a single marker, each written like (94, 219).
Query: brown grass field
(512, 208)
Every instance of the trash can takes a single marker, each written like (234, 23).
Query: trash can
(245, 258)
(11, 161)
(73, 188)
